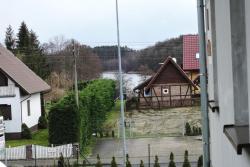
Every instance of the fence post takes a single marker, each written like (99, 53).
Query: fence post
(29, 152)
(148, 155)
(35, 154)
(5, 155)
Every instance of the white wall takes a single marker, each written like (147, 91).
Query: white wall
(13, 125)
(222, 151)
(35, 109)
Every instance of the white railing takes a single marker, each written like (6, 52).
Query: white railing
(37, 152)
(13, 153)
(7, 91)
(41, 152)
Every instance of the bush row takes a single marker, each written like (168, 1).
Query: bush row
(69, 124)
(192, 130)
(95, 101)
(113, 163)
(64, 121)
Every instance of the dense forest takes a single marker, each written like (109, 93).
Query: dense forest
(134, 60)
(54, 60)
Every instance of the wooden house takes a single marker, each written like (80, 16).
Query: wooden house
(169, 87)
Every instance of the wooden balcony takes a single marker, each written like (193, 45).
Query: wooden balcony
(7, 91)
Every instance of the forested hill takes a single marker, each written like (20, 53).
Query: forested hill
(152, 56)
(109, 56)
(133, 60)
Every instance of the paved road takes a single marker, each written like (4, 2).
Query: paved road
(138, 149)
(50, 163)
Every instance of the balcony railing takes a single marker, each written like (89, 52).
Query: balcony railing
(7, 91)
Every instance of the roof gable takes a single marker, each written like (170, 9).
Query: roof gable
(17, 71)
(190, 48)
(170, 72)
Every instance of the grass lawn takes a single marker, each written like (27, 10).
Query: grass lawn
(40, 138)
(112, 116)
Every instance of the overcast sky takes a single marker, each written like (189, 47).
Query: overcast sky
(92, 22)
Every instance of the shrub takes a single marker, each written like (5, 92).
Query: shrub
(186, 161)
(61, 162)
(113, 162)
(200, 132)
(84, 163)
(26, 134)
(200, 161)
(64, 121)
(70, 124)
(156, 164)
(96, 99)
(141, 164)
(99, 163)
(75, 164)
(171, 163)
(188, 129)
(42, 122)
(128, 164)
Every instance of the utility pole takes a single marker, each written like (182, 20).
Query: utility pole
(75, 74)
(121, 87)
(203, 80)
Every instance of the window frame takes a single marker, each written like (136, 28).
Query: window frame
(28, 108)
(9, 115)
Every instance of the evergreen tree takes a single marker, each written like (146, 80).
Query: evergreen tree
(23, 39)
(141, 164)
(113, 162)
(186, 161)
(99, 163)
(33, 42)
(61, 162)
(9, 39)
(29, 51)
(156, 164)
(84, 163)
(200, 132)
(171, 163)
(128, 164)
(188, 129)
(200, 161)
(36, 60)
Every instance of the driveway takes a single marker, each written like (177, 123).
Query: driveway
(138, 149)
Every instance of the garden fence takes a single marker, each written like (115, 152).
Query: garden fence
(37, 152)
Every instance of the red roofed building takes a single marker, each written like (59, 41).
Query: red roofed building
(191, 55)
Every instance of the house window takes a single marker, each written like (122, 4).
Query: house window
(197, 55)
(147, 92)
(3, 80)
(5, 111)
(28, 107)
(165, 91)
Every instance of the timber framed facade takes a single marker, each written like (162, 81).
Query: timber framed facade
(169, 87)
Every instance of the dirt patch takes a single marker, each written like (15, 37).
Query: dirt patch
(167, 122)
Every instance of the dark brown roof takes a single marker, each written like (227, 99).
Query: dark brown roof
(151, 80)
(20, 73)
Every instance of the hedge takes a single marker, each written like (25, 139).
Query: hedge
(95, 101)
(67, 124)
(64, 121)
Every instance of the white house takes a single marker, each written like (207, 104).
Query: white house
(20, 94)
(228, 63)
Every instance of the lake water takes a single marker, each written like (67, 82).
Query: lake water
(131, 79)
